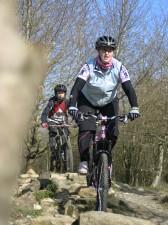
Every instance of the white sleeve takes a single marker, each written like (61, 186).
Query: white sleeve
(84, 72)
(124, 75)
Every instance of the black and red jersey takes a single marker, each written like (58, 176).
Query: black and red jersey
(54, 109)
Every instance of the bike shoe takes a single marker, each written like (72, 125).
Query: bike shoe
(83, 168)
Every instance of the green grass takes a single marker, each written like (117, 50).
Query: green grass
(18, 212)
(162, 188)
(40, 195)
(48, 192)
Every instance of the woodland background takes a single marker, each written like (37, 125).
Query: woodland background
(68, 30)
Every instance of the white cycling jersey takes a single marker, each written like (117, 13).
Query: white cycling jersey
(101, 85)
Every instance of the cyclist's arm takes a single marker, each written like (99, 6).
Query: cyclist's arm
(130, 92)
(127, 86)
(66, 111)
(79, 84)
(46, 111)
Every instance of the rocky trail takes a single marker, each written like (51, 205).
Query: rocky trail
(70, 202)
(142, 204)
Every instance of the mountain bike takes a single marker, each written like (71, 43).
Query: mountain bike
(64, 156)
(99, 163)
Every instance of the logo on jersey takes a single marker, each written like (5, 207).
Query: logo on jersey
(125, 72)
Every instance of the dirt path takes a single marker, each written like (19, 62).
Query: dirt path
(141, 204)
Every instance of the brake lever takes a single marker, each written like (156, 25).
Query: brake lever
(125, 119)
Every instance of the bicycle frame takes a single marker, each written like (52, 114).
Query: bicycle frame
(60, 127)
(100, 145)
(65, 158)
(100, 165)
(100, 142)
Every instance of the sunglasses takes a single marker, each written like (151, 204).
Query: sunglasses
(104, 49)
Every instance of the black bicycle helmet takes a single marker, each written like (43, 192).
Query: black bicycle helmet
(105, 41)
(60, 87)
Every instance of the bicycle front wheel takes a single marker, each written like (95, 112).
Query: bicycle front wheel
(102, 182)
(90, 174)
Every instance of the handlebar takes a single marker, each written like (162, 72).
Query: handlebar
(122, 118)
(54, 123)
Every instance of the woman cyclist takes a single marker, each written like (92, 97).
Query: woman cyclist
(95, 89)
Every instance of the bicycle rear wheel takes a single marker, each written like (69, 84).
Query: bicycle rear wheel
(59, 160)
(48, 159)
(102, 182)
(68, 156)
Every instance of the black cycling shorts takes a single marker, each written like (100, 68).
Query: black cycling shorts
(110, 110)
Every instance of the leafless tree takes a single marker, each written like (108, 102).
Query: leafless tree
(69, 30)
(142, 47)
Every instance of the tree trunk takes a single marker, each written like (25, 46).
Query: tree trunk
(157, 179)
(28, 19)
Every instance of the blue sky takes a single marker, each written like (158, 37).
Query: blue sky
(158, 5)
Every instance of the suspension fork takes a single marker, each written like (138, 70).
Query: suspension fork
(110, 152)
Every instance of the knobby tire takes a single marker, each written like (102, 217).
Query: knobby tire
(89, 176)
(102, 182)
(68, 156)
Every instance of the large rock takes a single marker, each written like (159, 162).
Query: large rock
(76, 178)
(69, 181)
(22, 221)
(32, 174)
(49, 207)
(71, 210)
(59, 180)
(26, 200)
(28, 182)
(74, 188)
(165, 223)
(47, 202)
(49, 220)
(103, 218)
(87, 192)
